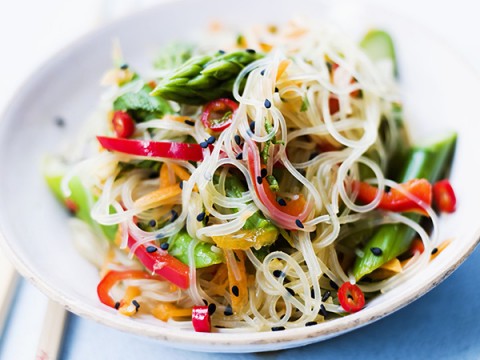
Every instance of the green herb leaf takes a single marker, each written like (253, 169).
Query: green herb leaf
(142, 100)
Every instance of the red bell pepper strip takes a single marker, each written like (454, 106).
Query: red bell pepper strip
(444, 196)
(113, 277)
(396, 200)
(201, 319)
(123, 124)
(292, 215)
(218, 114)
(161, 263)
(351, 297)
(172, 150)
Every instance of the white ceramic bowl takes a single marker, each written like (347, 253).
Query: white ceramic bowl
(438, 89)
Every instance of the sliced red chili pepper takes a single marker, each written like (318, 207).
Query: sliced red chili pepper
(112, 278)
(123, 124)
(417, 246)
(172, 150)
(444, 196)
(218, 114)
(351, 297)
(396, 200)
(160, 262)
(201, 319)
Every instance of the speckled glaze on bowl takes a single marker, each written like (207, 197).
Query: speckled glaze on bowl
(33, 228)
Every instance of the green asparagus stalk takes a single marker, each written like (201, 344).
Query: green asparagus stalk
(430, 162)
(379, 45)
(203, 254)
(80, 199)
(204, 78)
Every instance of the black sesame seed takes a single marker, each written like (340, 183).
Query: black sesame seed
(250, 51)
(228, 311)
(259, 180)
(278, 328)
(201, 216)
(205, 301)
(151, 249)
(152, 223)
(281, 202)
(59, 122)
(376, 251)
(164, 246)
(136, 304)
(221, 52)
(333, 285)
(189, 122)
(124, 66)
(211, 140)
(174, 216)
(252, 126)
(276, 89)
(277, 273)
(267, 104)
(311, 323)
(235, 290)
(181, 184)
(262, 72)
(312, 293)
(212, 308)
(239, 156)
(204, 144)
(117, 305)
(326, 295)
(434, 251)
(237, 139)
(323, 311)
(290, 291)
(299, 223)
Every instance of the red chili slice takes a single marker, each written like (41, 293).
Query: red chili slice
(396, 200)
(160, 262)
(444, 196)
(172, 150)
(112, 278)
(218, 114)
(351, 297)
(201, 319)
(123, 124)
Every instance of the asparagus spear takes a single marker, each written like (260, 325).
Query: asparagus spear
(203, 254)
(80, 202)
(430, 162)
(204, 78)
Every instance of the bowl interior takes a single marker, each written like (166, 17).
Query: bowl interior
(438, 91)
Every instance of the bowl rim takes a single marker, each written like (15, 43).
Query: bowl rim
(247, 342)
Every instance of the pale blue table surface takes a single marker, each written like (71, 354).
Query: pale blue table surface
(443, 324)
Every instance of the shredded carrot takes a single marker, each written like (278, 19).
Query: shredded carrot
(126, 306)
(180, 172)
(164, 176)
(165, 311)
(266, 47)
(164, 196)
(282, 67)
(440, 248)
(237, 279)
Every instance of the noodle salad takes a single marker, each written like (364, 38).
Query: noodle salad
(254, 181)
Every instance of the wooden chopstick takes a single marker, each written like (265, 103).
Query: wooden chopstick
(8, 282)
(51, 337)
